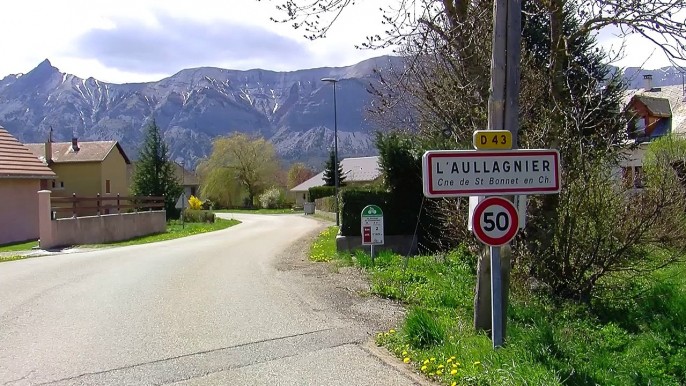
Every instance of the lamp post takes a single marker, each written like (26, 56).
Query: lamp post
(335, 145)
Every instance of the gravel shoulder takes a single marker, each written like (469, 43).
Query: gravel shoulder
(342, 293)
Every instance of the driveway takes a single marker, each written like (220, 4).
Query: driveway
(210, 309)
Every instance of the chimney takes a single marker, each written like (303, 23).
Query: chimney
(74, 144)
(648, 82)
(48, 148)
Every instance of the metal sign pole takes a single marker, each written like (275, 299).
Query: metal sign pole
(496, 299)
(372, 254)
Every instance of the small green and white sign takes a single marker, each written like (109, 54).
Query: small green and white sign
(372, 225)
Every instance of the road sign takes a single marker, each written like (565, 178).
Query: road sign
(495, 221)
(519, 203)
(456, 173)
(492, 140)
(372, 225)
(181, 202)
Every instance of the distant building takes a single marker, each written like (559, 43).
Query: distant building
(187, 179)
(357, 171)
(85, 168)
(657, 111)
(22, 175)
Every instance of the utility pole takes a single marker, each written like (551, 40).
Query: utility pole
(335, 146)
(503, 114)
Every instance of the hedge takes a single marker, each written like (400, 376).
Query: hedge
(326, 204)
(191, 215)
(398, 218)
(321, 191)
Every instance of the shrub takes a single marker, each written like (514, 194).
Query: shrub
(194, 203)
(399, 218)
(202, 216)
(272, 198)
(207, 205)
(422, 329)
(316, 192)
(326, 204)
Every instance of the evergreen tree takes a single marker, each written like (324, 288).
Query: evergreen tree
(154, 173)
(329, 173)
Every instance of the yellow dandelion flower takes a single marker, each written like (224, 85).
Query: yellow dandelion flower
(477, 363)
(433, 359)
(423, 368)
(455, 365)
(431, 374)
(380, 335)
(426, 362)
(454, 384)
(453, 372)
(449, 360)
(404, 353)
(439, 372)
(406, 360)
(392, 331)
(440, 366)
(453, 358)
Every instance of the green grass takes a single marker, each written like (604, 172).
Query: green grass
(13, 258)
(24, 246)
(174, 231)
(637, 342)
(259, 211)
(324, 247)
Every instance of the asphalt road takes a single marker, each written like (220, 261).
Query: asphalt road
(203, 310)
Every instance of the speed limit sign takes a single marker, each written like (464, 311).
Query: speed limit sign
(495, 221)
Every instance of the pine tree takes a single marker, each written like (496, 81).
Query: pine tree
(154, 173)
(329, 173)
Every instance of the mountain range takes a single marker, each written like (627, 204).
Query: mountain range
(294, 110)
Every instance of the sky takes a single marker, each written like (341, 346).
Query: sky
(146, 40)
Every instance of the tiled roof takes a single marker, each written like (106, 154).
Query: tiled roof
(16, 161)
(659, 107)
(94, 151)
(362, 169)
(677, 103)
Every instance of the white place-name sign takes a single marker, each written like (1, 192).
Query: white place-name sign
(455, 173)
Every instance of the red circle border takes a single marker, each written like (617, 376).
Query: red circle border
(476, 223)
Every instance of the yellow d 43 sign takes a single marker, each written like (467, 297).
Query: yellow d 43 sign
(492, 139)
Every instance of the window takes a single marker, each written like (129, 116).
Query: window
(57, 185)
(192, 190)
(107, 186)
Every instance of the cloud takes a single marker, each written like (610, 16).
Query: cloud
(172, 44)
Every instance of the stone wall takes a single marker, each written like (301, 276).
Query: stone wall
(95, 229)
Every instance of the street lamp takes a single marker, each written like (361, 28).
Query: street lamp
(335, 144)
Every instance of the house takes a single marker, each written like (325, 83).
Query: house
(357, 171)
(187, 179)
(656, 111)
(22, 175)
(85, 168)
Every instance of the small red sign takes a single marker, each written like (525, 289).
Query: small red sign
(367, 234)
(495, 221)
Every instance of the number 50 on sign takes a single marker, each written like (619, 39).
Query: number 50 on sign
(495, 221)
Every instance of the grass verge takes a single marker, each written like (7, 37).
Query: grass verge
(13, 258)
(259, 211)
(324, 247)
(641, 341)
(174, 231)
(23, 246)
